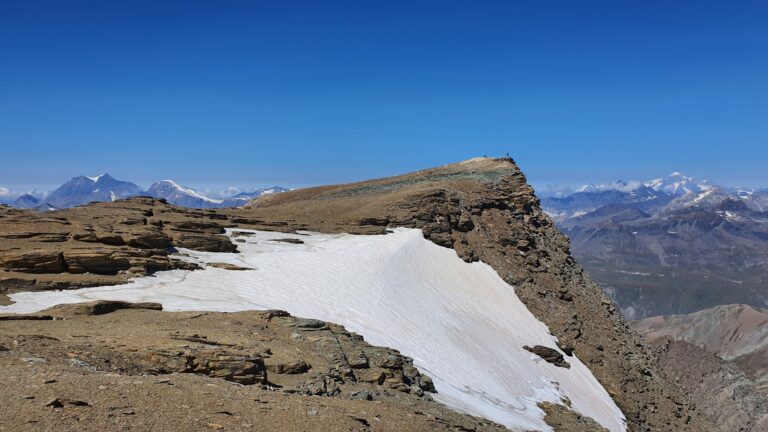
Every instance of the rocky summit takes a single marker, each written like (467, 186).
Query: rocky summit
(110, 365)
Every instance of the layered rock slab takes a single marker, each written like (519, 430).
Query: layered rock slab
(140, 368)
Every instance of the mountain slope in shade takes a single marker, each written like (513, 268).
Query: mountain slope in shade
(83, 190)
(26, 201)
(720, 355)
(737, 333)
(180, 195)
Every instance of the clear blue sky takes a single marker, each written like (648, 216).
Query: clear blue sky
(299, 93)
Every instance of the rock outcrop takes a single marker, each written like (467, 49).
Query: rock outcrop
(131, 366)
(102, 243)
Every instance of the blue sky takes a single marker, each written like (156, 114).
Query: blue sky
(299, 93)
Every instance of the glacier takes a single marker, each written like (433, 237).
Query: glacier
(460, 322)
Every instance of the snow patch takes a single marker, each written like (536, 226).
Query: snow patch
(461, 323)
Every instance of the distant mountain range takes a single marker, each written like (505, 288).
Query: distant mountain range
(82, 190)
(669, 245)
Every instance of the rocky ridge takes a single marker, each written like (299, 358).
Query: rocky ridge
(103, 243)
(483, 209)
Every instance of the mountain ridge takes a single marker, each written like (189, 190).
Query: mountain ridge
(483, 209)
(82, 190)
(687, 246)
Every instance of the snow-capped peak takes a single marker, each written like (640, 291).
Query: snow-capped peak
(96, 178)
(679, 184)
(185, 191)
(618, 185)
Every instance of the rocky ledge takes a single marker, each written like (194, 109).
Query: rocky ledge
(116, 360)
(102, 243)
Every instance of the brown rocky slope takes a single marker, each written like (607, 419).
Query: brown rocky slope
(117, 366)
(720, 356)
(482, 208)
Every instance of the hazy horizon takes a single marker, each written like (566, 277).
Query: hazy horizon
(224, 188)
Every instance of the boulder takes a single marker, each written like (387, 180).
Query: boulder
(550, 355)
(242, 369)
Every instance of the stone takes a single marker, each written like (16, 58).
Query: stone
(550, 355)
(289, 240)
(55, 403)
(228, 266)
(362, 395)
